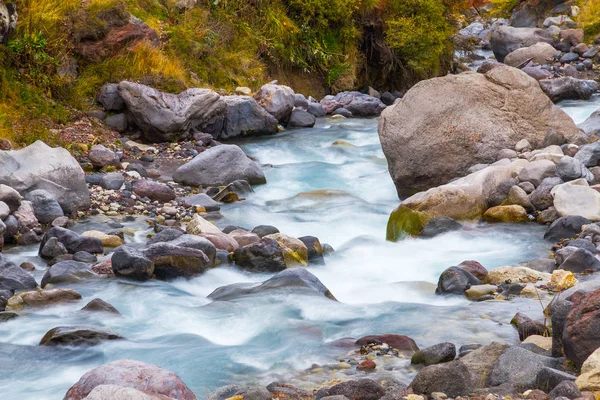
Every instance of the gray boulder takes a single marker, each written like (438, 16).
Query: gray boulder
(364, 389)
(565, 227)
(589, 154)
(570, 168)
(506, 39)
(10, 197)
(568, 88)
(219, 166)
(452, 378)
(541, 197)
(436, 354)
(301, 119)
(118, 122)
(579, 261)
(131, 263)
(13, 277)
(60, 174)
(591, 126)
(72, 241)
(278, 100)
(359, 104)
(101, 157)
(455, 280)
(301, 101)
(540, 53)
(45, 206)
(440, 225)
(67, 272)
(109, 97)
(164, 117)
(172, 261)
(520, 367)
(566, 388)
(205, 201)
(8, 20)
(245, 117)
(317, 110)
(263, 256)
(77, 336)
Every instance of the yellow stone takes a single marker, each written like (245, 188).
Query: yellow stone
(199, 225)
(107, 240)
(592, 363)
(563, 280)
(295, 253)
(515, 275)
(540, 341)
(590, 382)
(513, 213)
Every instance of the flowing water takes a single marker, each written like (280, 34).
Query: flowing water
(338, 192)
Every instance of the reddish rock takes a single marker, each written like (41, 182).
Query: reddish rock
(118, 39)
(146, 378)
(400, 342)
(366, 365)
(222, 241)
(154, 190)
(475, 268)
(581, 335)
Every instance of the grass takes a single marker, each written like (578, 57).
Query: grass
(590, 16)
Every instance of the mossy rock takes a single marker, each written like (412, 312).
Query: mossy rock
(405, 222)
(512, 213)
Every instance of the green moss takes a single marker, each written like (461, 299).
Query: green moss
(405, 222)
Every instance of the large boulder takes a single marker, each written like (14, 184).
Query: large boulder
(67, 272)
(452, 378)
(72, 241)
(568, 88)
(481, 361)
(245, 117)
(172, 261)
(436, 354)
(165, 117)
(444, 125)
(581, 334)
(278, 100)
(8, 20)
(506, 39)
(520, 367)
(576, 198)
(219, 166)
(60, 174)
(359, 104)
(114, 392)
(146, 378)
(540, 53)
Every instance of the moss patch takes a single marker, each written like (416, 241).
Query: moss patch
(405, 222)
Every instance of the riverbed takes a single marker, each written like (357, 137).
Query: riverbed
(330, 182)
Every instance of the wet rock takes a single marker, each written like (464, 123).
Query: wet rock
(541, 197)
(478, 292)
(67, 272)
(569, 88)
(164, 117)
(565, 227)
(520, 367)
(59, 174)
(500, 275)
(131, 263)
(264, 256)
(436, 354)
(154, 190)
(219, 166)
(365, 389)
(7, 316)
(221, 241)
(399, 342)
(113, 392)
(264, 230)
(581, 335)
(315, 249)
(295, 253)
(316, 110)
(557, 382)
(512, 213)
(526, 326)
(99, 305)
(146, 378)
(452, 378)
(42, 298)
(455, 280)
(297, 278)
(107, 240)
(243, 237)
(73, 242)
(358, 104)
(199, 225)
(205, 201)
(45, 206)
(440, 225)
(77, 336)
(171, 261)
(245, 117)
(85, 257)
(570, 168)
(577, 260)
(53, 248)
(278, 100)
(506, 39)
(301, 119)
(13, 277)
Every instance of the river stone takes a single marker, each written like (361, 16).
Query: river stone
(221, 241)
(146, 378)
(204, 200)
(540, 53)
(264, 230)
(171, 261)
(295, 253)
(243, 237)
(475, 268)
(300, 101)
(520, 367)
(13, 277)
(518, 196)
(73, 242)
(455, 280)
(26, 215)
(576, 198)
(316, 110)
(580, 261)
(113, 392)
(570, 168)
(165, 235)
(301, 119)
(364, 389)
(154, 190)
(535, 172)
(526, 326)
(424, 150)
(592, 362)
(297, 278)
(512, 213)
(53, 248)
(165, 117)
(481, 360)
(474, 293)
(10, 197)
(452, 378)
(315, 249)
(549, 378)
(77, 336)
(101, 157)
(245, 117)
(111, 181)
(440, 225)
(399, 342)
(591, 126)
(568, 88)
(131, 263)
(199, 225)
(581, 334)
(566, 227)
(500, 275)
(194, 242)
(589, 154)
(499, 193)
(541, 197)
(41, 298)
(547, 265)
(99, 305)
(436, 354)
(108, 96)
(506, 39)
(219, 166)
(67, 272)
(45, 206)
(567, 389)
(263, 256)
(107, 240)
(59, 174)
(537, 73)
(278, 100)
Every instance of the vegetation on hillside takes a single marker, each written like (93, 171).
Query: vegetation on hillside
(313, 45)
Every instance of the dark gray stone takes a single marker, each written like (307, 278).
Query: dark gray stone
(440, 225)
(589, 154)
(569, 88)
(77, 336)
(452, 378)
(118, 122)
(131, 263)
(436, 354)
(579, 261)
(565, 227)
(245, 117)
(455, 280)
(301, 119)
(317, 110)
(203, 200)
(263, 256)
(67, 272)
(541, 197)
(73, 242)
(264, 230)
(554, 380)
(112, 181)
(99, 305)
(45, 206)
(364, 389)
(520, 367)
(566, 388)
(109, 97)
(12, 277)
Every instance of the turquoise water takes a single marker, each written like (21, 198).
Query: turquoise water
(382, 287)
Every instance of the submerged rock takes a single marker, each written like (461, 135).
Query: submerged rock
(440, 225)
(436, 354)
(67, 272)
(455, 280)
(147, 378)
(399, 342)
(99, 305)
(72, 241)
(77, 336)
(263, 256)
